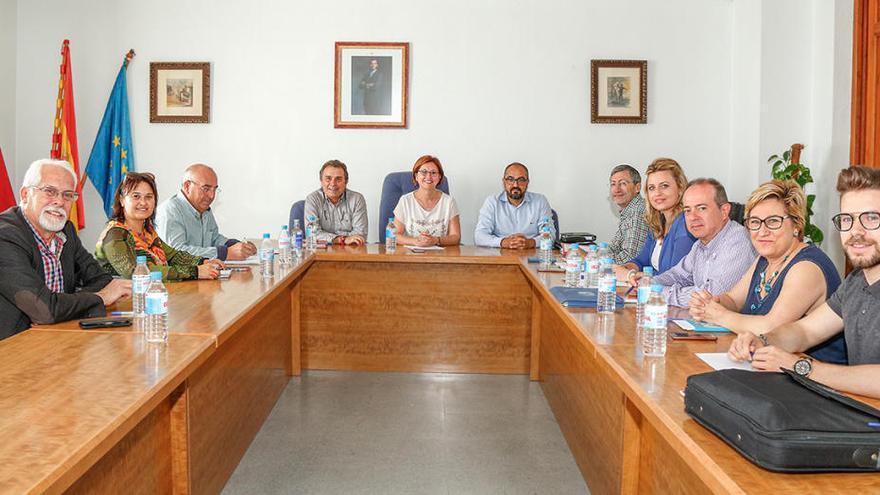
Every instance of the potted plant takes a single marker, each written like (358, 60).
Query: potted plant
(789, 166)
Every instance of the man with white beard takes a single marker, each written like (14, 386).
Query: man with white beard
(46, 275)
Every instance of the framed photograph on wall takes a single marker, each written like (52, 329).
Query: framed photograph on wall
(619, 91)
(370, 85)
(180, 92)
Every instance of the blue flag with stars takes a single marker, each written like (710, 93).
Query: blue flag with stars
(112, 155)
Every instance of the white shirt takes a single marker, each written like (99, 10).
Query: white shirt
(655, 255)
(416, 219)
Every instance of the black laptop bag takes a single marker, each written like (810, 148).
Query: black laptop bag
(785, 422)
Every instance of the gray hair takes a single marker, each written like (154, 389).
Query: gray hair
(35, 171)
(633, 173)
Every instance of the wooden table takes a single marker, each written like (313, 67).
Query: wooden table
(234, 344)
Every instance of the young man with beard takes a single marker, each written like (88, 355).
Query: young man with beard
(853, 308)
(510, 219)
(47, 275)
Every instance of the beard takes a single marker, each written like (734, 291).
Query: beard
(515, 194)
(50, 223)
(866, 261)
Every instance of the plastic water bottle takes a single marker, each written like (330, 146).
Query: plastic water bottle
(140, 281)
(545, 243)
(311, 233)
(573, 266)
(390, 236)
(267, 257)
(297, 237)
(156, 310)
(592, 266)
(284, 257)
(606, 301)
(654, 331)
(602, 254)
(642, 295)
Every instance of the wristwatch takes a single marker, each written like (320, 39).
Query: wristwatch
(803, 366)
(763, 339)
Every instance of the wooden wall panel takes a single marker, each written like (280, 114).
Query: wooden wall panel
(865, 128)
(416, 317)
(588, 405)
(232, 394)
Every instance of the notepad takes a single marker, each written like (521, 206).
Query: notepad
(700, 326)
(253, 260)
(422, 249)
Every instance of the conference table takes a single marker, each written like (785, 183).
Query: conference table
(101, 411)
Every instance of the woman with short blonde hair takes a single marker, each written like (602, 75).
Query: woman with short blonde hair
(788, 280)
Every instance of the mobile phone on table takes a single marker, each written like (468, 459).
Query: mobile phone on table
(112, 322)
(693, 336)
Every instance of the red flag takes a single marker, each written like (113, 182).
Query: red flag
(64, 145)
(7, 198)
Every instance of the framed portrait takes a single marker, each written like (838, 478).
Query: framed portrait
(370, 84)
(619, 91)
(180, 92)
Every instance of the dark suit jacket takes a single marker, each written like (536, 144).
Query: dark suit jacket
(24, 296)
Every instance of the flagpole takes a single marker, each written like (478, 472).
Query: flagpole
(128, 57)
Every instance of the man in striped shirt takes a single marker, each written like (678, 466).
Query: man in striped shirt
(47, 274)
(722, 254)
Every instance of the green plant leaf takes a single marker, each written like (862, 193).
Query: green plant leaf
(787, 155)
(772, 157)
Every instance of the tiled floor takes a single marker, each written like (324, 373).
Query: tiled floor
(383, 433)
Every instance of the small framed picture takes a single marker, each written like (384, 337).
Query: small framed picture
(619, 91)
(370, 85)
(180, 92)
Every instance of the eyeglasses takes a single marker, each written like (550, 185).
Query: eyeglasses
(432, 173)
(843, 222)
(206, 188)
(516, 180)
(136, 196)
(53, 192)
(773, 222)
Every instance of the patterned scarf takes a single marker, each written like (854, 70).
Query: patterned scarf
(146, 244)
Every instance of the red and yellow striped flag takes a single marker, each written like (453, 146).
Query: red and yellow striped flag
(64, 145)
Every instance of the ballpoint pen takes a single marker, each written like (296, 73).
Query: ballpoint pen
(122, 313)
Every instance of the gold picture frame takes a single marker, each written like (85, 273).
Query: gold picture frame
(370, 85)
(619, 91)
(180, 92)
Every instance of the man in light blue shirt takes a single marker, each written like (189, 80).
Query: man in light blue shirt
(185, 221)
(510, 219)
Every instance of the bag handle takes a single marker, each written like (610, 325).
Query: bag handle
(832, 394)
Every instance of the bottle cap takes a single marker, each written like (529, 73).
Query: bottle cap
(266, 235)
(603, 245)
(391, 220)
(575, 246)
(155, 276)
(609, 261)
(284, 227)
(594, 247)
(649, 270)
(141, 259)
(657, 288)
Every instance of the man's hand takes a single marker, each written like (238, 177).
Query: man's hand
(517, 241)
(634, 279)
(240, 251)
(353, 240)
(700, 299)
(744, 346)
(771, 358)
(117, 289)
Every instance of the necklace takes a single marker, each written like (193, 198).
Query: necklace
(767, 283)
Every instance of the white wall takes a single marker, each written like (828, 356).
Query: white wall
(8, 18)
(492, 81)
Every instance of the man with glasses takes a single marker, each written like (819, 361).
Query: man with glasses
(853, 308)
(632, 228)
(510, 219)
(47, 275)
(185, 221)
(341, 212)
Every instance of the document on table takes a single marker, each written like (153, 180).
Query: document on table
(419, 249)
(253, 260)
(720, 361)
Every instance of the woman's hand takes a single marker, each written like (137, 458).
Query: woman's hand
(208, 271)
(424, 240)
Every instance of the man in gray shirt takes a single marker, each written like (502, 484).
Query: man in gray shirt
(185, 221)
(853, 308)
(632, 228)
(341, 212)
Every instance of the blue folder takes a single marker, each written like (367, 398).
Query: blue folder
(574, 297)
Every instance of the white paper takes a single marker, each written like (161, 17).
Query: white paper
(720, 361)
(425, 248)
(684, 324)
(253, 260)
